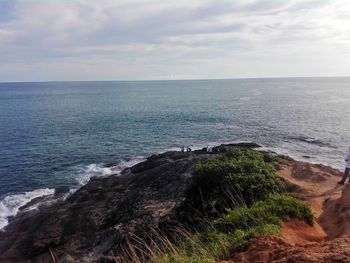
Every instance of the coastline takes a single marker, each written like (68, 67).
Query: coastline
(13, 204)
(142, 191)
(16, 203)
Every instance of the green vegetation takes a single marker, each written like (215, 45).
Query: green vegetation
(238, 178)
(273, 210)
(239, 197)
(235, 229)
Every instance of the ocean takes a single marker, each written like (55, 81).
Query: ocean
(62, 133)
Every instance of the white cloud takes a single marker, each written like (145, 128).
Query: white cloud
(105, 39)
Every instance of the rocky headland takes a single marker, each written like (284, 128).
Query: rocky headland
(99, 221)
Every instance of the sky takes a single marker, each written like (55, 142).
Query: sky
(44, 40)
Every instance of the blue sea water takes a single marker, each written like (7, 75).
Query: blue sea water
(62, 133)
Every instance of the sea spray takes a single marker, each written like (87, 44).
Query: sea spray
(11, 204)
(102, 169)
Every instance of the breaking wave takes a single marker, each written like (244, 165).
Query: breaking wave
(10, 205)
(310, 140)
(103, 169)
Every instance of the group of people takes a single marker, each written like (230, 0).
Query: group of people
(342, 181)
(185, 149)
(208, 149)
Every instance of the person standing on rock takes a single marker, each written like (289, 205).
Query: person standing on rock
(347, 168)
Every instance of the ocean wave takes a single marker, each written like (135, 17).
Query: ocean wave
(10, 205)
(310, 140)
(104, 169)
(297, 153)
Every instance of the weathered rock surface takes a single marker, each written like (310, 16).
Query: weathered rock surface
(96, 221)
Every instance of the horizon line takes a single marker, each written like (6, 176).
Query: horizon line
(189, 79)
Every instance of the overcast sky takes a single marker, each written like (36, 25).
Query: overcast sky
(163, 39)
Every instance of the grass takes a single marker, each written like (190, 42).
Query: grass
(274, 210)
(235, 229)
(241, 197)
(238, 196)
(231, 200)
(240, 177)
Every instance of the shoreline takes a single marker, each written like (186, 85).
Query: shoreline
(146, 192)
(13, 204)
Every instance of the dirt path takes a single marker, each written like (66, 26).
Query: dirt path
(317, 186)
(316, 182)
(328, 240)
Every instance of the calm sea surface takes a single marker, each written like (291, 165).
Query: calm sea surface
(61, 133)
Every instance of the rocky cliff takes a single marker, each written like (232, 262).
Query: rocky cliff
(95, 223)
(99, 221)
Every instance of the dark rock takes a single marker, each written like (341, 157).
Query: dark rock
(38, 201)
(95, 222)
(61, 190)
(224, 147)
(98, 218)
(246, 145)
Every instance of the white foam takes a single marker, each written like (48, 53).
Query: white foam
(9, 206)
(245, 98)
(98, 170)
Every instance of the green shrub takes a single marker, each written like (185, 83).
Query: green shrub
(224, 243)
(236, 229)
(287, 207)
(264, 218)
(273, 210)
(238, 196)
(238, 178)
(269, 158)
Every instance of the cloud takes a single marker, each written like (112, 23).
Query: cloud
(105, 39)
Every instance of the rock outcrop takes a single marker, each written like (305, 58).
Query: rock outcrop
(96, 221)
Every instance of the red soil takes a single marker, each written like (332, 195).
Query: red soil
(328, 240)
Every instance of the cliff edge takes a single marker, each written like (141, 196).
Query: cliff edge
(96, 223)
